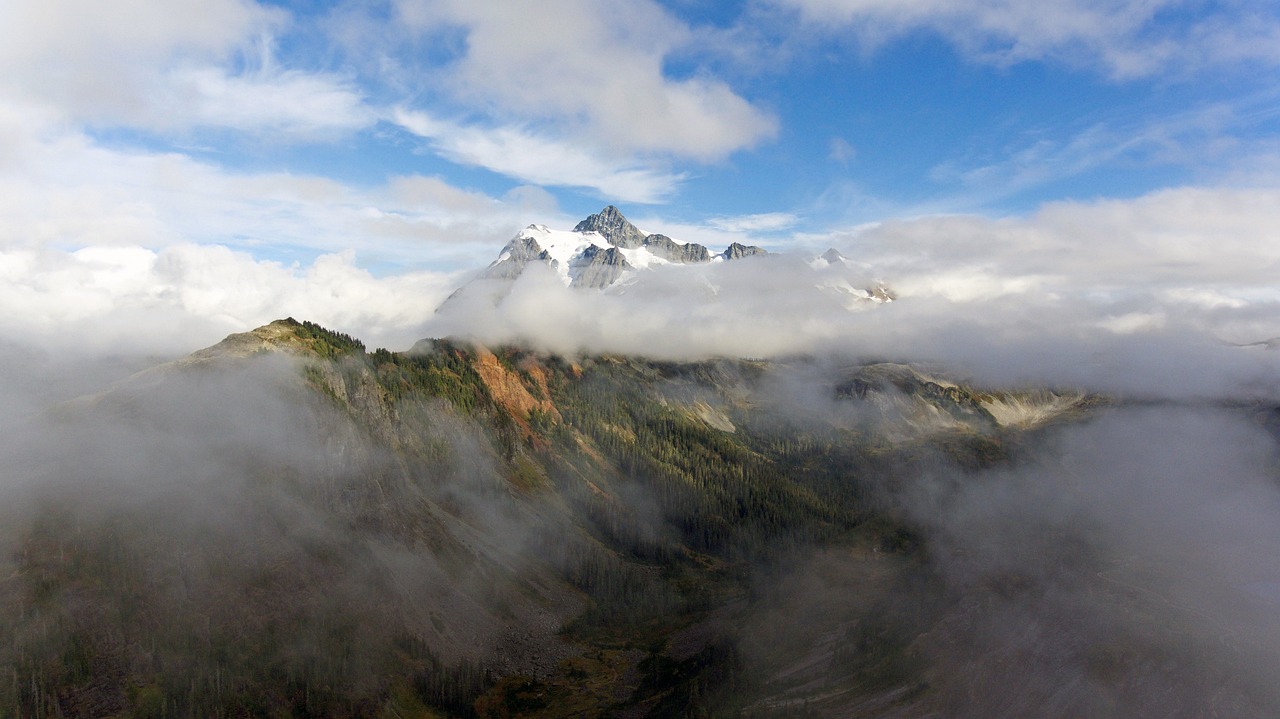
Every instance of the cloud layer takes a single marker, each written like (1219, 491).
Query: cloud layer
(1146, 296)
(104, 229)
(131, 300)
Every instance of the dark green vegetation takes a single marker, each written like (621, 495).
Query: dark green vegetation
(455, 532)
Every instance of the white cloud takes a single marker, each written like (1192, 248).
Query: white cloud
(288, 103)
(759, 222)
(161, 65)
(1127, 38)
(136, 252)
(593, 69)
(1221, 238)
(58, 188)
(1134, 322)
(516, 152)
(93, 58)
(1142, 295)
(135, 300)
(1017, 335)
(83, 35)
(132, 251)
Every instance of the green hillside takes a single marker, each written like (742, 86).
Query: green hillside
(287, 524)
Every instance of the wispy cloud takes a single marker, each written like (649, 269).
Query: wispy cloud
(516, 152)
(1209, 140)
(288, 104)
(841, 151)
(760, 222)
(1126, 38)
(60, 188)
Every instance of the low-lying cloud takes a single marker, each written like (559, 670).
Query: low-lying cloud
(135, 301)
(1146, 532)
(1150, 296)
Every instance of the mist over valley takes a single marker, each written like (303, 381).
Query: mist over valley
(479, 359)
(534, 517)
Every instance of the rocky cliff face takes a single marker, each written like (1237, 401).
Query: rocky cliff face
(672, 251)
(737, 251)
(598, 268)
(518, 253)
(611, 225)
(619, 232)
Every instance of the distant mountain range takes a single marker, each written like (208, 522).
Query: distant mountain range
(601, 250)
(606, 251)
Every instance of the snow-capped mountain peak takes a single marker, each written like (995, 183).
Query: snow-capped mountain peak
(607, 252)
(613, 227)
(831, 257)
(602, 250)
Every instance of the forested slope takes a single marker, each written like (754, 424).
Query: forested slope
(289, 524)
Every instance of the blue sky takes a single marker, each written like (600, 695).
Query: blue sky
(405, 141)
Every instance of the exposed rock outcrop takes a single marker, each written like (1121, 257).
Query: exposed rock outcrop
(508, 391)
(613, 227)
(598, 268)
(738, 250)
(672, 251)
(518, 253)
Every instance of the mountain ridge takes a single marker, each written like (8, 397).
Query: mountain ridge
(601, 250)
(605, 252)
(496, 532)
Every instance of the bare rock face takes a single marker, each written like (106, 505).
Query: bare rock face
(598, 268)
(880, 292)
(518, 253)
(738, 250)
(601, 252)
(616, 229)
(507, 389)
(832, 256)
(671, 251)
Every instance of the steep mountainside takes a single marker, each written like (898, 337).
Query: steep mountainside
(289, 524)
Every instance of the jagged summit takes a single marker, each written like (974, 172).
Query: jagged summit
(606, 251)
(601, 251)
(737, 251)
(616, 229)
